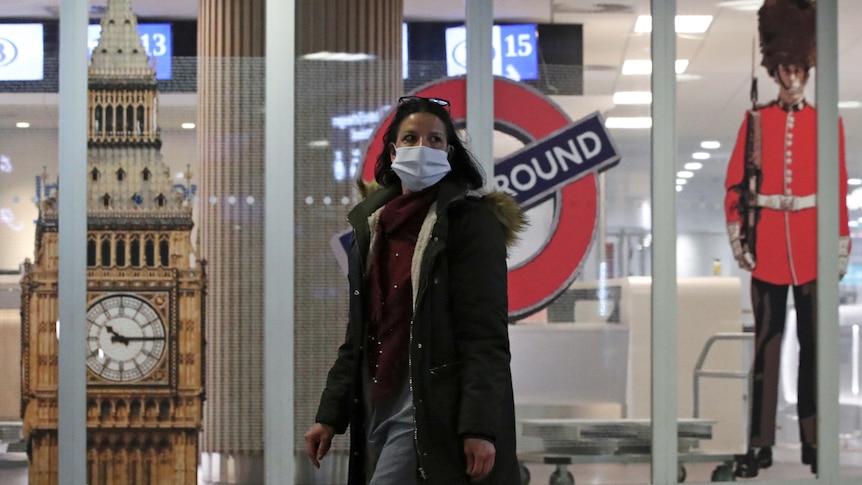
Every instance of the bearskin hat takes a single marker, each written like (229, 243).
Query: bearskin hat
(787, 34)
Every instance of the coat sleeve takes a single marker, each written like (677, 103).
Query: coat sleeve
(479, 305)
(334, 407)
(735, 172)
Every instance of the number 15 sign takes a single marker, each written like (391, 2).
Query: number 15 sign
(514, 51)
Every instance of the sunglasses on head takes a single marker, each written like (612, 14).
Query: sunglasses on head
(438, 101)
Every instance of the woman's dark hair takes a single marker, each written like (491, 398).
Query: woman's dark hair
(464, 166)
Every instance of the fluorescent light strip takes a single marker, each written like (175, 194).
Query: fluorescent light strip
(710, 145)
(632, 97)
(642, 67)
(22, 124)
(629, 123)
(683, 24)
(742, 5)
(338, 56)
(700, 155)
(693, 166)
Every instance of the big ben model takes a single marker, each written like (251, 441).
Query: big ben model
(145, 293)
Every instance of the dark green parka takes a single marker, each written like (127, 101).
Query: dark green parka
(459, 344)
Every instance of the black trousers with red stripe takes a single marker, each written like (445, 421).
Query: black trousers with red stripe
(769, 304)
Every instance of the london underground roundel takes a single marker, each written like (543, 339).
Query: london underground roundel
(557, 168)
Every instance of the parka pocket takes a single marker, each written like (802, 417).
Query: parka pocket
(445, 370)
(444, 392)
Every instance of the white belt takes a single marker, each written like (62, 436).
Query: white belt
(787, 202)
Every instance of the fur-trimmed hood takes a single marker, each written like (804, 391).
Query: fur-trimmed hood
(503, 205)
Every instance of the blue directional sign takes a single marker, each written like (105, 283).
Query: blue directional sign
(514, 51)
(539, 169)
(156, 39)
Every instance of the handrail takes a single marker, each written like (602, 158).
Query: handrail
(698, 367)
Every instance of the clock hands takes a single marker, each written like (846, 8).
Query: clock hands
(116, 337)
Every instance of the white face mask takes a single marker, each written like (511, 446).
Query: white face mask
(420, 167)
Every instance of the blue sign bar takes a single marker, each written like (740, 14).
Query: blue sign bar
(539, 169)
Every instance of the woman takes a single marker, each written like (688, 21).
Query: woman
(423, 376)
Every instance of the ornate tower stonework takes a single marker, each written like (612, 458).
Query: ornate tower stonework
(145, 290)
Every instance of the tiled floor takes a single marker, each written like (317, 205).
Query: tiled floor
(786, 466)
(13, 470)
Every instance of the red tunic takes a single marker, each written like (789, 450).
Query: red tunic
(786, 249)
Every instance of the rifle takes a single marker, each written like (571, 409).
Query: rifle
(752, 176)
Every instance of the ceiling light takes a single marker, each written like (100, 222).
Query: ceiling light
(338, 56)
(700, 156)
(318, 143)
(693, 166)
(710, 145)
(854, 199)
(679, 188)
(854, 181)
(742, 5)
(634, 122)
(849, 104)
(22, 124)
(685, 174)
(684, 24)
(188, 126)
(681, 181)
(632, 97)
(635, 67)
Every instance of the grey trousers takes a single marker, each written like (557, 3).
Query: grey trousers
(391, 453)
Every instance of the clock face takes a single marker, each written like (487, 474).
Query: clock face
(125, 338)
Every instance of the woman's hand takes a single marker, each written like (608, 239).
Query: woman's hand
(318, 439)
(480, 457)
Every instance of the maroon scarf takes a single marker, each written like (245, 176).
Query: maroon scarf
(390, 290)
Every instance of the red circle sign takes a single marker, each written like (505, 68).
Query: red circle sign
(548, 273)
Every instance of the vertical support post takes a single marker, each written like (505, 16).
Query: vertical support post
(664, 287)
(480, 83)
(72, 284)
(279, 243)
(827, 239)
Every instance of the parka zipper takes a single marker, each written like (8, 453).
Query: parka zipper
(422, 287)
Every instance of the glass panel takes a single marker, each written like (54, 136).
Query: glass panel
(581, 353)
(754, 321)
(849, 345)
(574, 314)
(28, 152)
(714, 348)
(128, 394)
(230, 230)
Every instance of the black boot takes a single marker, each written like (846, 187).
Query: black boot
(749, 464)
(809, 456)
